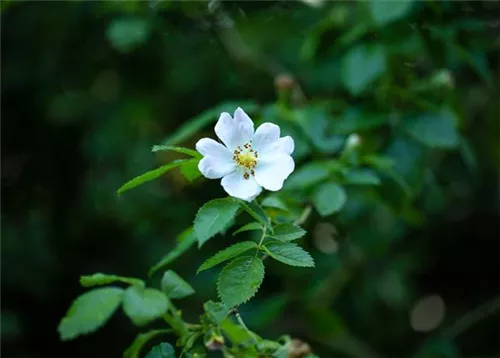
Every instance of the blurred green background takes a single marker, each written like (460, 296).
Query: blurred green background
(88, 88)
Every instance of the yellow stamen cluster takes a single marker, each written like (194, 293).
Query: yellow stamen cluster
(246, 157)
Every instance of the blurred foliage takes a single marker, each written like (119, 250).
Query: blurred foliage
(403, 94)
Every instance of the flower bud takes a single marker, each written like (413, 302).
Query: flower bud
(215, 343)
(443, 78)
(284, 82)
(353, 141)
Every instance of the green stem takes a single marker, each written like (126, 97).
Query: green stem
(242, 324)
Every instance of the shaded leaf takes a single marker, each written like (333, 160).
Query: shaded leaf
(143, 305)
(384, 12)
(329, 198)
(190, 169)
(256, 212)
(174, 286)
(240, 280)
(134, 350)
(289, 253)
(162, 350)
(195, 124)
(216, 311)
(362, 176)
(438, 131)
(126, 34)
(227, 254)
(185, 240)
(187, 151)
(213, 217)
(361, 66)
(104, 279)
(308, 175)
(274, 202)
(148, 176)
(90, 311)
(248, 227)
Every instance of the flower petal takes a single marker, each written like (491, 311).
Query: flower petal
(215, 167)
(286, 145)
(239, 187)
(265, 136)
(208, 146)
(272, 171)
(234, 131)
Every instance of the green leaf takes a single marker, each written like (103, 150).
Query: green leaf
(213, 217)
(288, 232)
(434, 130)
(134, 350)
(256, 212)
(240, 280)
(104, 279)
(289, 253)
(216, 311)
(384, 12)
(274, 202)
(148, 176)
(187, 151)
(362, 176)
(248, 227)
(361, 66)
(308, 175)
(162, 350)
(126, 34)
(329, 198)
(90, 311)
(236, 333)
(190, 170)
(174, 286)
(227, 254)
(144, 305)
(185, 240)
(194, 125)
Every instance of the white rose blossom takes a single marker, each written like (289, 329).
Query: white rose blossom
(248, 161)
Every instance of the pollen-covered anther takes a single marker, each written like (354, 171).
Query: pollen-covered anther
(246, 176)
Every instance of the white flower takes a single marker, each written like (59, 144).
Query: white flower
(248, 160)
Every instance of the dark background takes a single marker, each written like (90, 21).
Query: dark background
(88, 87)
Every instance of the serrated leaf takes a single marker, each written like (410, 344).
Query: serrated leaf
(148, 176)
(90, 311)
(190, 170)
(227, 254)
(256, 212)
(174, 286)
(248, 227)
(216, 311)
(289, 253)
(288, 232)
(98, 279)
(362, 176)
(434, 130)
(134, 350)
(143, 305)
(185, 240)
(173, 148)
(162, 350)
(240, 280)
(195, 124)
(213, 217)
(329, 198)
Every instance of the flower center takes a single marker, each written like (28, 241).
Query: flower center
(246, 158)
